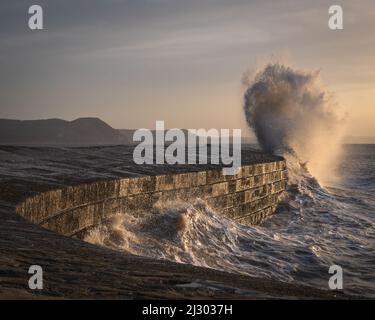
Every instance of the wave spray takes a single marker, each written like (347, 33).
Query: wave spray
(292, 114)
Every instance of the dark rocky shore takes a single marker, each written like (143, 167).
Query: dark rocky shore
(75, 269)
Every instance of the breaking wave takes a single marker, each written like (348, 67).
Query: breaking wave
(193, 233)
(293, 114)
(311, 230)
(314, 227)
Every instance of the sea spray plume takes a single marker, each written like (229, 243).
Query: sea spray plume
(291, 113)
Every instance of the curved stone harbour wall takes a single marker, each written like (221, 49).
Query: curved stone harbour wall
(248, 197)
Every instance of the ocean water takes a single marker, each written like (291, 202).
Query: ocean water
(314, 227)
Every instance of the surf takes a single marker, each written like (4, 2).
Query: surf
(316, 225)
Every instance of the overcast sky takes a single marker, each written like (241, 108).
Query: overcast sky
(133, 62)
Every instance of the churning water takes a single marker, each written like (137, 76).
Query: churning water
(318, 223)
(314, 228)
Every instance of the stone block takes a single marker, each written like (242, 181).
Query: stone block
(219, 189)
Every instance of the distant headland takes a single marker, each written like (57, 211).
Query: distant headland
(82, 131)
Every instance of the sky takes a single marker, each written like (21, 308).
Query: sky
(133, 62)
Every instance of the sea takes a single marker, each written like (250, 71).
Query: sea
(315, 228)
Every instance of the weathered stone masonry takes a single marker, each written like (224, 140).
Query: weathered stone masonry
(248, 197)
